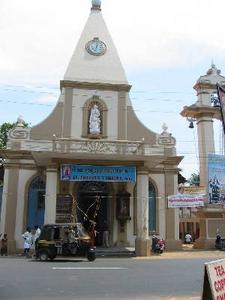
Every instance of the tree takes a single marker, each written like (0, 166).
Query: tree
(4, 129)
(194, 179)
(181, 179)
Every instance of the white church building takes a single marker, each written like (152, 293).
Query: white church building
(92, 157)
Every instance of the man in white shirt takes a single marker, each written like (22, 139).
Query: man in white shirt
(28, 241)
(37, 233)
(188, 238)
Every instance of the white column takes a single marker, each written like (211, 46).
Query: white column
(142, 240)
(205, 146)
(50, 196)
(4, 201)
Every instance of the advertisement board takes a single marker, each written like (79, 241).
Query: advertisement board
(186, 200)
(188, 197)
(216, 179)
(98, 173)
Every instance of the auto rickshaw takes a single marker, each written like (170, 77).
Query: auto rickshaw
(64, 240)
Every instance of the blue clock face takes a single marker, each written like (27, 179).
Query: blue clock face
(96, 47)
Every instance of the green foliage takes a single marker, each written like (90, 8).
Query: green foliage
(4, 128)
(194, 179)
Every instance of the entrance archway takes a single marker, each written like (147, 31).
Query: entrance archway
(152, 208)
(93, 203)
(36, 202)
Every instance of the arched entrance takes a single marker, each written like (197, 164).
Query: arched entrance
(36, 202)
(152, 208)
(93, 202)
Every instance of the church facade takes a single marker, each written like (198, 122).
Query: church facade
(91, 157)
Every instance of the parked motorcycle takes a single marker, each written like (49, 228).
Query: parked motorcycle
(158, 244)
(219, 243)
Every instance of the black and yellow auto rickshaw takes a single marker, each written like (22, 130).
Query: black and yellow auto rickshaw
(64, 240)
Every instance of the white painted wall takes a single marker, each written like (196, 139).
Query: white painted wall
(176, 213)
(142, 205)
(50, 197)
(4, 199)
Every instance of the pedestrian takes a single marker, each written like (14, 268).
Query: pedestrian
(188, 238)
(92, 233)
(37, 233)
(4, 245)
(105, 238)
(28, 241)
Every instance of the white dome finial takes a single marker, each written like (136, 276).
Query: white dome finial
(20, 121)
(96, 4)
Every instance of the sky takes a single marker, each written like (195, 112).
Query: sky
(164, 46)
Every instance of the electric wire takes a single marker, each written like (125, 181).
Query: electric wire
(55, 91)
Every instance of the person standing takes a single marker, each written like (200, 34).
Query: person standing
(105, 238)
(188, 238)
(92, 233)
(37, 233)
(4, 245)
(28, 241)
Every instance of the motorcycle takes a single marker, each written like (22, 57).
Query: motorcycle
(219, 243)
(158, 244)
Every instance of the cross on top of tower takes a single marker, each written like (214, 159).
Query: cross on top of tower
(213, 70)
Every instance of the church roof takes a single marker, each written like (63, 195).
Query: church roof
(88, 67)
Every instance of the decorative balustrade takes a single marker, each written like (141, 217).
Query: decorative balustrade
(135, 148)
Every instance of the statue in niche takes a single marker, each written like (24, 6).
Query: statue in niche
(95, 120)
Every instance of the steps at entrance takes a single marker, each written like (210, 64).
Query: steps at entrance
(115, 252)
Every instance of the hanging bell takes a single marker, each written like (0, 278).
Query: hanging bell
(191, 125)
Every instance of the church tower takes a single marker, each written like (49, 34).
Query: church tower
(94, 76)
(204, 112)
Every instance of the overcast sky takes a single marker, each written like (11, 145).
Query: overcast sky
(164, 46)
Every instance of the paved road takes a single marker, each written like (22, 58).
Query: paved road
(170, 276)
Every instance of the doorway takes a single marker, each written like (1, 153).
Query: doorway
(152, 208)
(36, 202)
(93, 204)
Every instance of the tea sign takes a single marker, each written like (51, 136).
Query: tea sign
(214, 280)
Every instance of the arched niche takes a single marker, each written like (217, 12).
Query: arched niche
(95, 100)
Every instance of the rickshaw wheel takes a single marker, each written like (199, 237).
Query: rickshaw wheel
(91, 256)
(43, 255)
